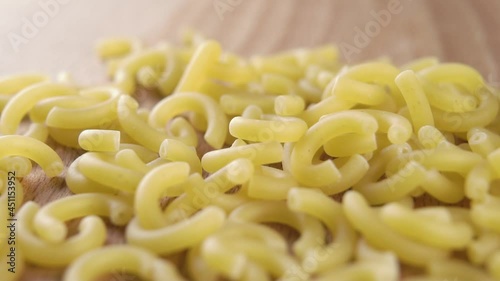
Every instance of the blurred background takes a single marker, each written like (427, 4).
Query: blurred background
(55, 35)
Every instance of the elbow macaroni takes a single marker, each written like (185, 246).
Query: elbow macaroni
(240, 149)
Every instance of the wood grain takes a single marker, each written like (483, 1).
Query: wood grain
(453, 30)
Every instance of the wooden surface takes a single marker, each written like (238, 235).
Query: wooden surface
(453, 30)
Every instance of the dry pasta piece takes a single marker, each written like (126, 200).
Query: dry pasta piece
(100, 168)
(378, 235)
(482, 248)
(486, 213)
(21, 165)
(25, 100)
(12, 84)
(175, 150)
(100, 140)
(289, 105)
(312, 233)
(121, 258)
(235, 104)
(171, 106)
(151, 188)
(329, 127)
(49, 222)
(79, 183)
(125, 74)
(350, 144)
(176, 237)
(231, 257)
(493, 265)
(116, 47)
(258, 153)
(270, 184)
(433, 232)
(330, 213)
(269, 128)
(326, 106)
(86, 117)
(415, 98)
(33, 149)
(483, 141)
(92, 234)
(137, 128)
(453, 268)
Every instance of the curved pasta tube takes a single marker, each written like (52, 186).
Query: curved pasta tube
(179, 236)
(289, 105)
(358, 92)
(49, 222)
(270, 184)
(312, 233)
(328, 105)
(329, 212)
(415, 99)
(124, 77)
(269, 128)
(92, 235)
(37, 131)
(33, 149)
(175, 150)
(86, 117)
(486, 213)
(377, 234)
(380, 73)
(137, 128)
(395, 187)
(235, 104)
(258, 153)
(493, 160)
(173, 105)
(21, 165)
(99, 140)
(25, 100)
(232, 257)
(457, 122)
(196, 72)
(172, 74)
(41, 110)
(420, 64)
(481, 249)
(329, 127)
(454, 73)
(12, 84)
(101, 169)
(196, 268)
(116, 47)
(150, 190)
(450, 268)
(493, 265)
(398, 128)
(483, 141)
(79, 183)
(478, 181)
(145, 154)
(445, 188)
(432, 232)
(126, 258)
(449, 97)
(351, 172)
(350, 144)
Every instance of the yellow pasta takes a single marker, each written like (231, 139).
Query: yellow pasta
(33, 149)
(258, 153)
(92, 234)
(85, 117)
(150, 190)
(99, 140)
(121, 258)
(379, 235)
(179, 236)
(49, 222)
(26, 99)
(173, 105)
(330, 213)
(416, 100)
(327, 128)
(243, 170)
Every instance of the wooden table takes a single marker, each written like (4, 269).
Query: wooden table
(452, 30)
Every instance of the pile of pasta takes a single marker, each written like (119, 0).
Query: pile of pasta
(291, 166)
